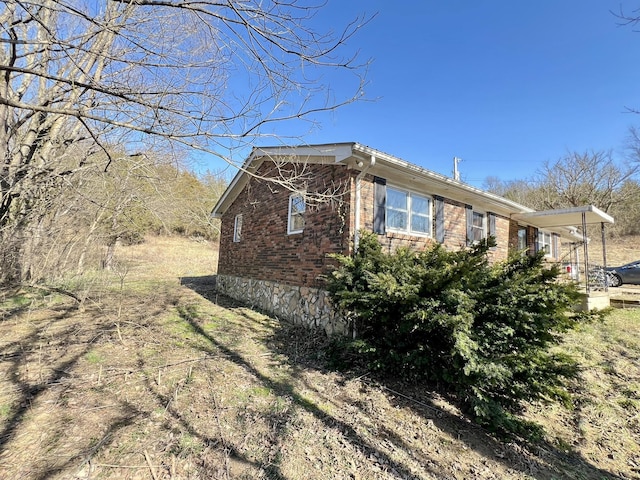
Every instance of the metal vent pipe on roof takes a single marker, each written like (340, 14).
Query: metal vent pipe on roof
(456, 172)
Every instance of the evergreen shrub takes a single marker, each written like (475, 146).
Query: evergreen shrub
(484, 331)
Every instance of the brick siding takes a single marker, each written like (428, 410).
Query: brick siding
(266, 251)
(501, 252)
(284, 274)
(513, 234)
(455, 226)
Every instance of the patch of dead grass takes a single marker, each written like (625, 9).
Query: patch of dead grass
(152, 379)
(620, 250)
(604, 424)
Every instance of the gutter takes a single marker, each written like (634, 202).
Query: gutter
(363, 172)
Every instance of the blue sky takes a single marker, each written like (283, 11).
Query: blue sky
(504, 85)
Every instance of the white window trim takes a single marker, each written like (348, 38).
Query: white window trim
(525, 246)
(542, 244)
(237, 228)
(291, 231)
(408, 230)
(485, 226)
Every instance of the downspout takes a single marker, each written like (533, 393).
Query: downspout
(363, 172)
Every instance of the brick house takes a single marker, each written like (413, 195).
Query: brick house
(274, 242)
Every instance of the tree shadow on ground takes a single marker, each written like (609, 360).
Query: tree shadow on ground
(284, 388)
(205, 286)
(15, 353)
(49, 364)
(302, 349)
(539, 459)
(38, 369)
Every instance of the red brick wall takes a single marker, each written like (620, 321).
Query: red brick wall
(266, 251)
(513, 234)
(455, 225)
(391, 240)
(532, 240)
(501, 252)
(366, 205)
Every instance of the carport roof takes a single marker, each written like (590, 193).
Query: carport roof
(564, 217)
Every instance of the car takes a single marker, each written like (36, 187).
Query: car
(628, 273)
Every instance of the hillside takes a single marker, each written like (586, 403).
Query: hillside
(620, 250)
(153, 376)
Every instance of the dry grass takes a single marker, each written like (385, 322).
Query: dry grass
(603, 425)
(620, 250)
(154, 377)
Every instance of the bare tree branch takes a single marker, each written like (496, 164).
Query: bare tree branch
(202, 74)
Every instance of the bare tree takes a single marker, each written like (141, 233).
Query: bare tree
(521, 191)
(627, 215)
(138, 195)
(628, 18)
(589, 178)
(143, 74)
(584, 178)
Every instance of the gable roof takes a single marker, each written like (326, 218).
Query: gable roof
(397, 172)
(330, 153)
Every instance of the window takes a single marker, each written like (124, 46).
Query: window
(237, 228)
(522, 239)
(397, 209)
(481, 225)
(408, 212)
(296, 214)
(545, 243)
(478, 227)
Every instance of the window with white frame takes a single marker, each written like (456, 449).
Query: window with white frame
(478, 226)
(522, 238)
(408, 212)
(545, 243)
(297, 208)
(237, 228)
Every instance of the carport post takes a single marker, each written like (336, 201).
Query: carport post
(604, 258)
(586, 253)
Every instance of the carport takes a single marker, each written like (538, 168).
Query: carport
(580, 217)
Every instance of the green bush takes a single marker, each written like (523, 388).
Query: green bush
(485, 331)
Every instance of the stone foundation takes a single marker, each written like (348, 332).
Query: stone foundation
(299, 305)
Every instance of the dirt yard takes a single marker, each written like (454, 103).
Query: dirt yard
(151, 375)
